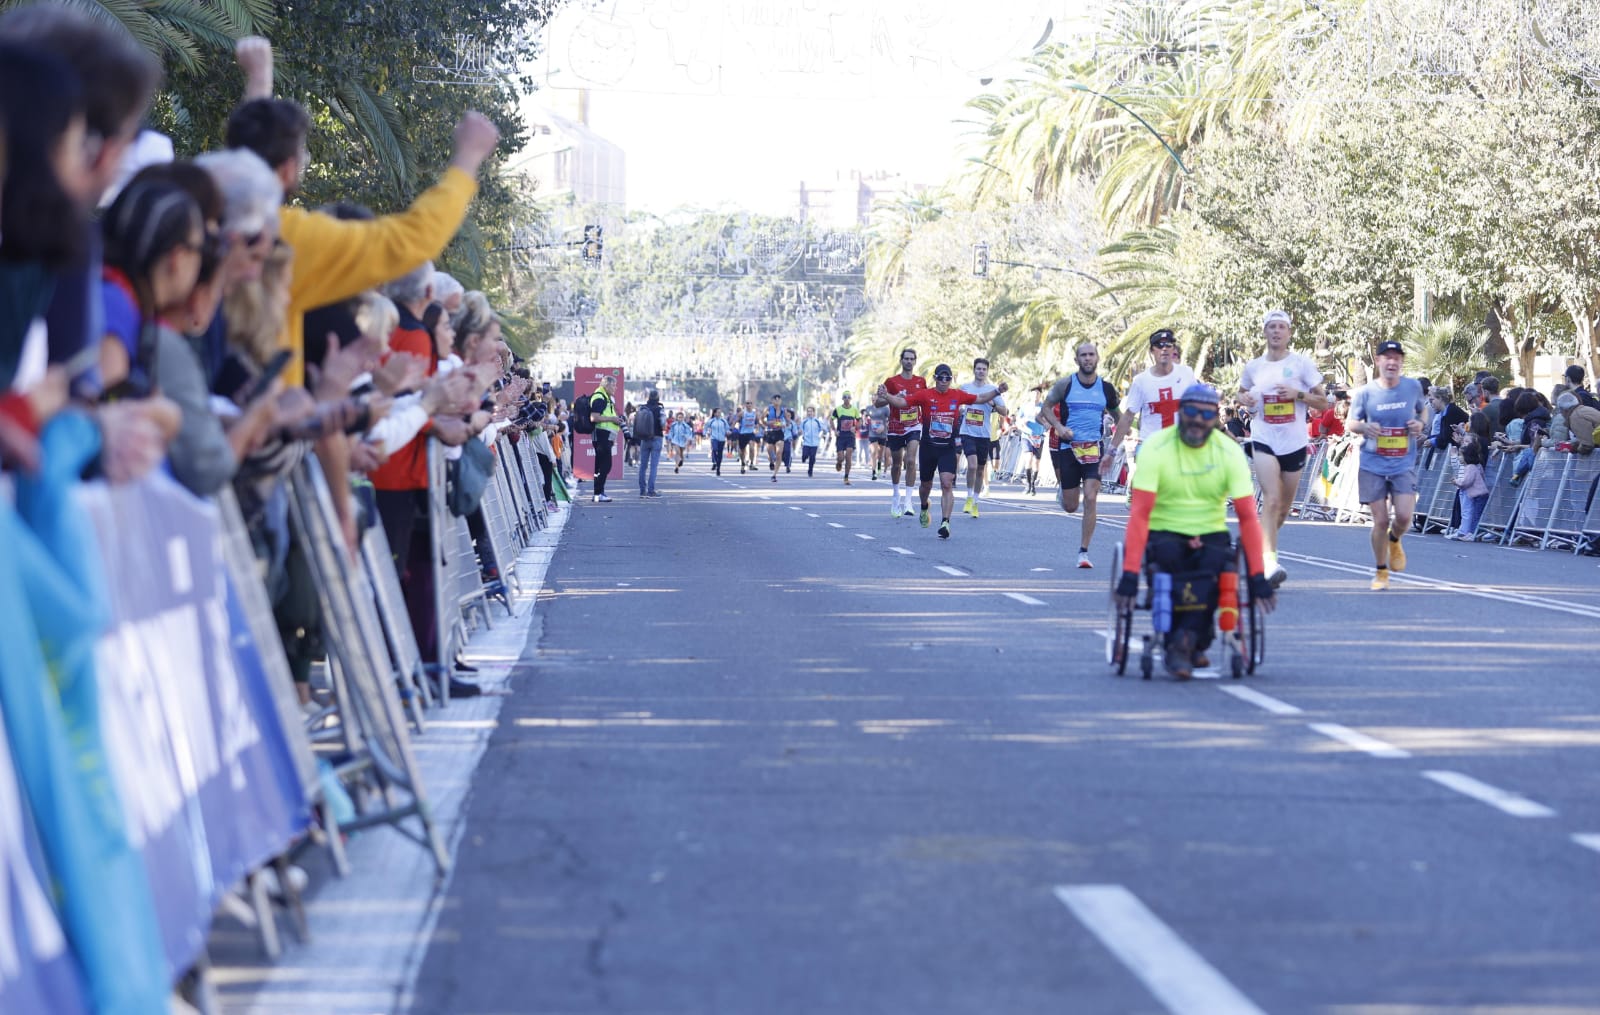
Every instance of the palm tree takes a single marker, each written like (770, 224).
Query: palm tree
(1446, 350)
(183, 32)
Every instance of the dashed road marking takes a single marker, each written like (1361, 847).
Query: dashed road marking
(1026, 600)
(835, 525)
(863, 535)
(1588, 840)
(1183, 981)
(1500, 799)
(1360, 741)
(953, 572)
(902, 551)
(1256, 698)
(810, 515)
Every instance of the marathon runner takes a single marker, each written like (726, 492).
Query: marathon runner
(773, 422)
(1032, 433)
(717, 430)
(877, 419)
(905, 432)
(1187, 475)
(748, 421)
(977, 432)
(939, 409)
(1153, 394)
(1281, 385)
(811, 431)
(1075, 411)
(1391, 413)
(846, 420)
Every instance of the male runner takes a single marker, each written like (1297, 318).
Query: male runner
(877, 423)
(774, 422)
(748, 422)
(846, 418)
(1075, 411)
(811, 431)
(905, 432)
(1187, 475)
(977, 432)
(1153, 394)
(1282, 385)
(1391, 413)
(939, 408)
(717, 430)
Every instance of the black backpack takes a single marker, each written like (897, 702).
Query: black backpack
(645, 425)
(581, 412)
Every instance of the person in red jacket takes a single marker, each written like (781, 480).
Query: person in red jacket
(940, 408)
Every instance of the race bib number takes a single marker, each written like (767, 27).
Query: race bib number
(910, 416)
(1393, 441)
(1086, 452)
(940, 429)
(975, 417)
(1278, 412)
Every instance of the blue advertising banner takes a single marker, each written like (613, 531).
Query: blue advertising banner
(202, 763)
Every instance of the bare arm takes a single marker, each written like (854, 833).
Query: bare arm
(254, 55)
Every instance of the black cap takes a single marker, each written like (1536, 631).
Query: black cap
(1163, 337)
(1389, 345)
(944, 368)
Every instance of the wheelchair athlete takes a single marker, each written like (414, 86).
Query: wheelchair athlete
(1186, 476)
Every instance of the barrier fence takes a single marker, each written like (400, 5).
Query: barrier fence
(170, 762)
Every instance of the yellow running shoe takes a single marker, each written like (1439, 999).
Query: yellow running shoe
(974, 509)
(1397, 555)
(923, 517)
(1380, 580)
(966, 508)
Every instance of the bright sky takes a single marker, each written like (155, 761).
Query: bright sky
(737, 101)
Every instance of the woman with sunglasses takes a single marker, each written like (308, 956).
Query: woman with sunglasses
(1188, 474)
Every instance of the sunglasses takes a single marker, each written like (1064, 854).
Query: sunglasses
(1195, 412)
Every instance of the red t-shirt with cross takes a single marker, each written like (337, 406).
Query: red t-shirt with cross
(939, 412)
(909, 419)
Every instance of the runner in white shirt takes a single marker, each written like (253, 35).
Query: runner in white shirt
(1282, 385)
(976, 432)
(1153, 395)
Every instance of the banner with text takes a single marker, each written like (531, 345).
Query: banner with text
(585, 380)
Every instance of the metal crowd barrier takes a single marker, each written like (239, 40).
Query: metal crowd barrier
(1439, 510)
(1554, 500)
(1501, 510)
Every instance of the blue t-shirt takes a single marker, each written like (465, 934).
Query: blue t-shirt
(811, 431)
(1392, 451)
(717, 428)
(748, 421)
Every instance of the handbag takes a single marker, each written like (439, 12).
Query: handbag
(468, 477)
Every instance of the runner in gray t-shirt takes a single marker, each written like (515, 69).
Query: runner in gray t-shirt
(1391, 414)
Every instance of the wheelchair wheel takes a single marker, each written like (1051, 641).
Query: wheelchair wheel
(1252, 625)
(1147, 659)
(1119, 630)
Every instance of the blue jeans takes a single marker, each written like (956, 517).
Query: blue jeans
(649, 461)
(1471, 511)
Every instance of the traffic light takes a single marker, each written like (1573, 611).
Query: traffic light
(593, 242)
(980, 260)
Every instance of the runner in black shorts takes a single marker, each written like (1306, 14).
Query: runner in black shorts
(846, 419)
(774, 434)
(940, 408)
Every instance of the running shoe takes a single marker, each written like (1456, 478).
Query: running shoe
(909, 512)
(966, 508)
(974, 509)
(1397, 555)
(677, 468)
(1083, 559)
(944, 529)
(837, 465)
(601, 498)
(1380, 580)
(774, 477)
(1277, 575)
(847, 482)
(924, 517)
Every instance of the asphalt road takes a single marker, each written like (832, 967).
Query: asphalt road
(768, 755)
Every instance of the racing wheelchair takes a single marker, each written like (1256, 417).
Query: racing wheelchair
(1240, 630)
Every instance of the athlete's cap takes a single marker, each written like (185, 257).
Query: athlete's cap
(1389, 346)
(943, 370)
(1201, 392)
(1276, 315)
(1163, 337)
(845, 396)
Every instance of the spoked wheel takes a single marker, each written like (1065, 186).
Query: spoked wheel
(1252, 628)
(1119, 629)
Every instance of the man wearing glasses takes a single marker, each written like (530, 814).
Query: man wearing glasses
(1179, 520)
(1153, 395)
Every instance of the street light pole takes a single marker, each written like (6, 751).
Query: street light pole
(1142, 121)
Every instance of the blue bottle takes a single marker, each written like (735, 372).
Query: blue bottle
(1161, 602)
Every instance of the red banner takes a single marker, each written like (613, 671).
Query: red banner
(586, 381)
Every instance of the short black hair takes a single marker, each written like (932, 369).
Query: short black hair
(980, 359)
(1575, 375)
(118, 76)
(272, 128)
(39, 100)
(1490, 385)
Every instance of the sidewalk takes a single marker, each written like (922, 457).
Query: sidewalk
(370, 931)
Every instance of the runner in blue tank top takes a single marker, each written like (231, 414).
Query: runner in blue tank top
(1075, 412)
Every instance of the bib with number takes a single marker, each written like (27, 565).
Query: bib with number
(975, 417)
(910, 416)
(1086, 452)
(1278, 412)
(1393, 441)
(940, 429)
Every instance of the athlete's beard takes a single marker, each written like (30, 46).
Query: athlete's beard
(1194, 434)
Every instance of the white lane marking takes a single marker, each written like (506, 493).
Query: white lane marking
(1494, 796)
(1040, 569)
(1360, 741)
(1498, 595)
(863, 535)
(793, 508)
(835, 525)
(1587, 840)
(1260, 700)
(810, 515)
(1180, 979)
(902, 551)
(1025, 600)
(951, 571)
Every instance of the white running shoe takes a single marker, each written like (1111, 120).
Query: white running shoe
(1083, 559)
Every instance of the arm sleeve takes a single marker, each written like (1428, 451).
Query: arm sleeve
(1249, 533)
(1138, 530)
(1113, 400)
(405, 420)
(201, 457)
